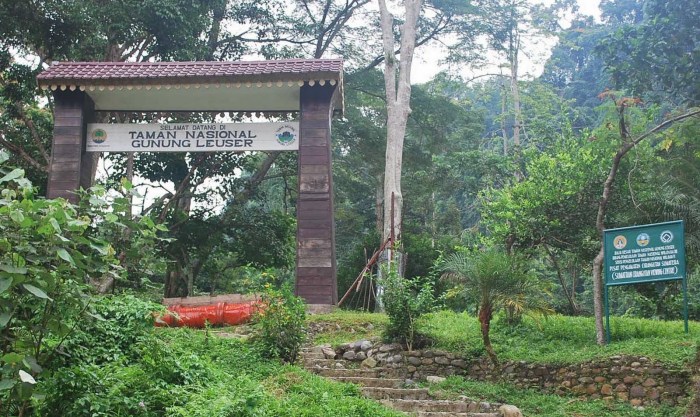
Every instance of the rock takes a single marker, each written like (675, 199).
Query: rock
(328, 353)
(409, 382)
(637, 392)
(460, 363)
(435, 379)
(317, 349)
(370, 326)
(365, 345)
(360, 356)
(621, 388)
(649, 382)
(396, 359)
(349, 355)
(606, 389)
(369, 363)
(413, 360)
(339, 365)
(389, 348)
(654, 394)
(442, 360)
(509, 411)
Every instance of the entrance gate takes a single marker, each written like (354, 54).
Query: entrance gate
(311, 87)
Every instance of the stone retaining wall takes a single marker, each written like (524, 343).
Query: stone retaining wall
(635, 379)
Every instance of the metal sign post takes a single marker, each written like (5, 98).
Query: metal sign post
(641, 254)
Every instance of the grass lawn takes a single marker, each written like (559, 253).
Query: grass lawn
(562, 339)
(351, 326)
(556, 339)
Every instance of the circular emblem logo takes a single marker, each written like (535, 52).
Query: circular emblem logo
(666, 236)
(642, 239)
(620, 242)
(286, 135)
(98, 135)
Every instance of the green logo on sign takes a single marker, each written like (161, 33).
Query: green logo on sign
(98, 136)
(286, 135)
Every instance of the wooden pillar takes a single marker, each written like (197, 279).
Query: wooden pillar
(316, 266)
(71, 167)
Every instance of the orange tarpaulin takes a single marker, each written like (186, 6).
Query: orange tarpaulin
(215, 314)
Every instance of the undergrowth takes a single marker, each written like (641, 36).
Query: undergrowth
(142, 371)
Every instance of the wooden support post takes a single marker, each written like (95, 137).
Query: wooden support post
(71, 167)
(316, 280)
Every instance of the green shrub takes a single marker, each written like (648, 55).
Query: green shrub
(280, 324)
(404, 302)
(48, 253)
(114, 329)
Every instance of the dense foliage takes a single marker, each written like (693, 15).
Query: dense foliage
(281, 322)
(405, 302)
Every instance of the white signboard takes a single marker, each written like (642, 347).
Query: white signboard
(192, 137)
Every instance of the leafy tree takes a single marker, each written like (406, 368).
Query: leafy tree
(656, 53)
(494, 280)
(507, 24)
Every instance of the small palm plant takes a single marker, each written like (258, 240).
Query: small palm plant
(497, 280)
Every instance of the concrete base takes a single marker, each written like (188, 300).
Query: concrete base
(320, 308)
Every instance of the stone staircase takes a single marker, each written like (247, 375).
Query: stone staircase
(387, 386)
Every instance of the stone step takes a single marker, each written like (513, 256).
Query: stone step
(445, 406)
(371, 382)
(312, 355)
(378, 393)
(339, 373)
(327, 363)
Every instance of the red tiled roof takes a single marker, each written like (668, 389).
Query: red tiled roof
(194, 71)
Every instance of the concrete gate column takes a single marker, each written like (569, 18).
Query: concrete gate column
(316, 280)
(71, 167)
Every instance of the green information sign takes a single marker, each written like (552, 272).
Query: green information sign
(653, 252)
(647, 253)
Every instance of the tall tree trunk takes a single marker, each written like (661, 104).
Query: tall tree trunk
(397, 83)
(504, 131)
(515, 92)
(378, 204)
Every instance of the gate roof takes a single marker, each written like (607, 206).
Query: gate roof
(196, 85)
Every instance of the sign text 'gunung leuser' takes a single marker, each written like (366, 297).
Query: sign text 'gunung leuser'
(192, 137)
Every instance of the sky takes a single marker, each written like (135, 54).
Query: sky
(425, 68)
